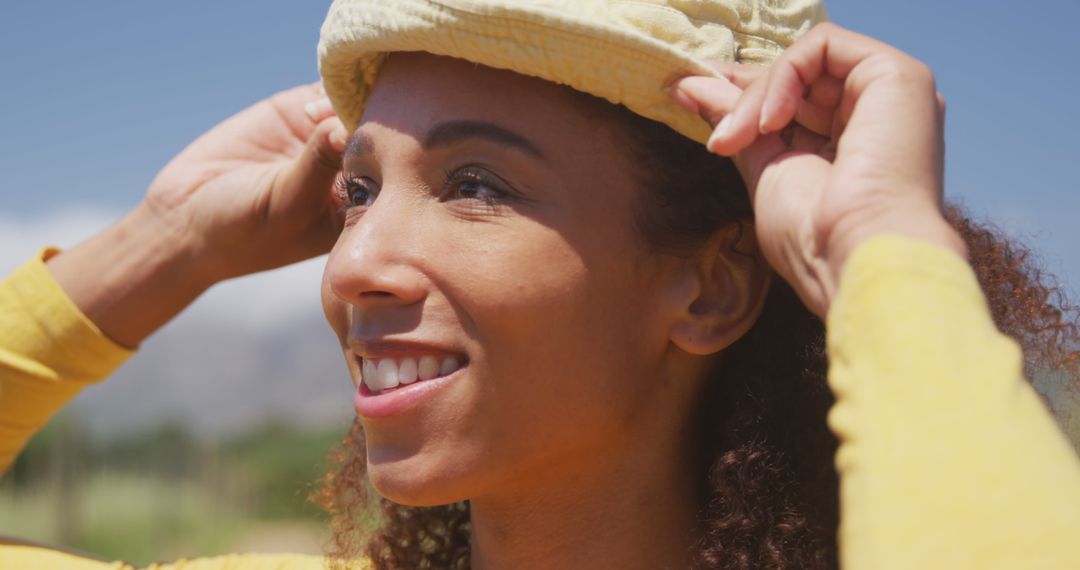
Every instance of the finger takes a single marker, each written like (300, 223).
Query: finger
(739, 74)
(709, 97)
(803, 64)
(751, 162)
(739, 128)
(818, 109)
(297, 97)
(311, 173)
(290, 107)
(896, 95)
(319, 109)
(712, 99)
(767, 149)
(826, 51)
(715, 99)
(801, 138)
(817, 119)
(825, 92)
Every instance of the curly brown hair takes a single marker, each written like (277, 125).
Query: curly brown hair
(771, 486)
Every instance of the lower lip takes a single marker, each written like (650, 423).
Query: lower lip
(401, 400)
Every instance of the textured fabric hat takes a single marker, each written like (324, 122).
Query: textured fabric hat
(625, 51)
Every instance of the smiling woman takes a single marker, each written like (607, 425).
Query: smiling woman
(581, 278)
(596, 315)
(616, 384)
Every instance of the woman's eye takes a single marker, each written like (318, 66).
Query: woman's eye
(356, 192)
(473, 183)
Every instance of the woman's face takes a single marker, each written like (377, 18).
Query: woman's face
(490, 267)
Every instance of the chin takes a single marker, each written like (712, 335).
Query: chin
(417, 481)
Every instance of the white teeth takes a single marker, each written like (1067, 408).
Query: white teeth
(368, 375)
(387, 374)
(449, 365)
(429, 367)
(407, 371)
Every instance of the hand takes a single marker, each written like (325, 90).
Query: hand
(839, 140)
(253, 193)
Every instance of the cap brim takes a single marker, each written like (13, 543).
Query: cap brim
(591, 48)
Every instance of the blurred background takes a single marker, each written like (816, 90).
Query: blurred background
(210, 438)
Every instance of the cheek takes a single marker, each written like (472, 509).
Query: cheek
(568, 346)
(334, 309)
(524, 290)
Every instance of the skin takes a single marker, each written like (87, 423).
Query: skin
(865, 155)
(554, 258)
(839, 141)
(253, 193)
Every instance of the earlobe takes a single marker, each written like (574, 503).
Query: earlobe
(731, 280)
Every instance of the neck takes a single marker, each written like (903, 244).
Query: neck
(631, 512)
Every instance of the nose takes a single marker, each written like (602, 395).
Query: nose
(373, 262)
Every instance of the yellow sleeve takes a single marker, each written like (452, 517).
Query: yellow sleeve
(947, 458)
(252, 562)
(40, 558)
(48, 352)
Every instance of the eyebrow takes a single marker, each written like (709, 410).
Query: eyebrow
(450, 132)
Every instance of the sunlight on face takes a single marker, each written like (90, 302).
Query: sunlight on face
(490, 268)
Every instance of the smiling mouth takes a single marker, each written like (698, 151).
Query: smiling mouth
(382, 375)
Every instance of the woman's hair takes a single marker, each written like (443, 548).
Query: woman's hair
(771, 485)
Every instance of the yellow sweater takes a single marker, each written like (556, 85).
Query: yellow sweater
(947, 458)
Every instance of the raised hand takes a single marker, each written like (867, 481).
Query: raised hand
(253, 193)
(839, 140)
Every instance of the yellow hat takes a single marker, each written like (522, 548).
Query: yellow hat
(625, 51)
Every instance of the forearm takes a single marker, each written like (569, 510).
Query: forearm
(49, 351)
(923, 223)
(947, 457)
(64, 322)
(132, 278)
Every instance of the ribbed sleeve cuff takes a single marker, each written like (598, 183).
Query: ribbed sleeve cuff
(41, 328)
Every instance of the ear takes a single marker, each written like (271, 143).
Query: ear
(723, 289)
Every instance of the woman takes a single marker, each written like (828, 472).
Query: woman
(561, 312)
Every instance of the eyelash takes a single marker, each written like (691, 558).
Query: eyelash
(347, 189)
(344, 188)
(498, 190)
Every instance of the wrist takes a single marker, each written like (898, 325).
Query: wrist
(133, 277)
(928, 227)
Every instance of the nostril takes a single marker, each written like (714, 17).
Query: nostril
(376, 294)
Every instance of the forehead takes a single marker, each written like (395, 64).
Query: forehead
(416, 91)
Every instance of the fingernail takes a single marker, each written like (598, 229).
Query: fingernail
(720, 131)
(338, 137)
(319, 110)
(766, 114)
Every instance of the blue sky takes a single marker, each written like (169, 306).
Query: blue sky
(97, 96)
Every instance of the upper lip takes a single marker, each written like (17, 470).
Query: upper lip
(374, 349)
